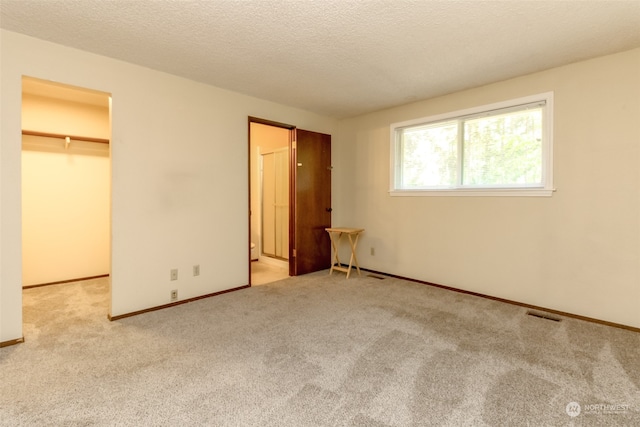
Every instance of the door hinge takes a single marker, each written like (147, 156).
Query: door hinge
(294, 144)
(295, 253)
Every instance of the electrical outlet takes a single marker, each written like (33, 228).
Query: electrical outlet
(174, 274)
(373, 251)
(174, 295)
(196, 270)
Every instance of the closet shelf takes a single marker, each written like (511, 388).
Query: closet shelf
(71, 137)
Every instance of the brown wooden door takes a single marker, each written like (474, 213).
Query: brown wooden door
(310, 248)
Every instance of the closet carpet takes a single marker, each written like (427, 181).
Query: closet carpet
(315, 350)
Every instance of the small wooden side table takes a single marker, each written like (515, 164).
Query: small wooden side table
(336, 233)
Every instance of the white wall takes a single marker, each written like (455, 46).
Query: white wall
(577, 251)
(65, 205)
(53, 115)
(179, 175)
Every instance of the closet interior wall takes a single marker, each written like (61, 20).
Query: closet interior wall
(65, 187)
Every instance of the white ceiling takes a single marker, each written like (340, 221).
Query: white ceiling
(339, 58)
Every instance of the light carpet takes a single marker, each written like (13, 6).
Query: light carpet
(315, 350)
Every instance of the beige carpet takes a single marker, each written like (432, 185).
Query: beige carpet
(315, 350)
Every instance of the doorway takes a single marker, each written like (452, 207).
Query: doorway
(306, 195)
(269, 227)
(66, 196)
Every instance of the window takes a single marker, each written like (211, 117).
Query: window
(498, 149)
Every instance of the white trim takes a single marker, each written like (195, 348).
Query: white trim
(546, 96)
(546, 189)
(547, 142)
(491, 192)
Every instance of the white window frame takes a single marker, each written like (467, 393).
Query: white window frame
(545, 189)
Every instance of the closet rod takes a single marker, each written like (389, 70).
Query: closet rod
(57, 135)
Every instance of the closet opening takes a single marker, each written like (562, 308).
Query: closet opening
(269, 201)
(66, 205)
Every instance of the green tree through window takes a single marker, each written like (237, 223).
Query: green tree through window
(504, 149)
(498, 148)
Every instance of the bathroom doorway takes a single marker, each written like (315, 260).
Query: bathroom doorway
(269, 175)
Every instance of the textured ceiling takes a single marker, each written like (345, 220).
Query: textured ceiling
(335, 57)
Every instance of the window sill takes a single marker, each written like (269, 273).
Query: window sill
(476, 192)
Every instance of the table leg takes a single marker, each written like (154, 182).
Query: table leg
(335, 245)
(354, 244)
